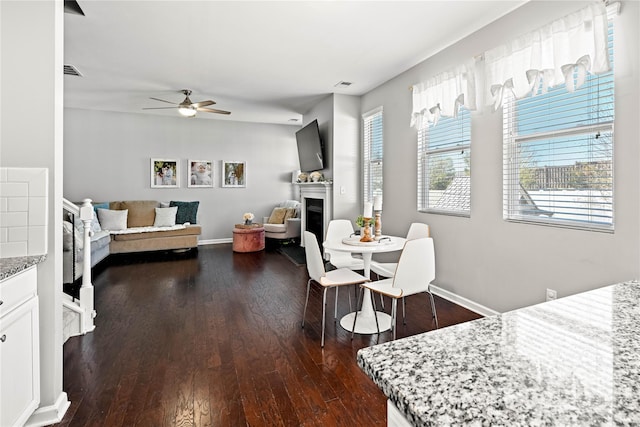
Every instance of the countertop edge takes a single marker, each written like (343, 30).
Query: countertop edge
(11, 266)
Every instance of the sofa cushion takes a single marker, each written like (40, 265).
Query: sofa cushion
(187, 211)
(165, 217)
(141, 212)
(113, 219)
(187, 231)
(277, 216)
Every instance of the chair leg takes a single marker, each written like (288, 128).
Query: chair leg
(355, 316)
(306, 302)
(382, 301)
(324, 306)
(375, 314)
(404, 313)
(433, 308)
(335, 310)
(394, 310)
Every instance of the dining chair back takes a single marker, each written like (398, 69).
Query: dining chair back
(417, 230)
(315, 265)
(337, 230)
(416, 267)
(326, 279)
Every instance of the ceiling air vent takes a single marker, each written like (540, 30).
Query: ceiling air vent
(70, 70)
(343, 84)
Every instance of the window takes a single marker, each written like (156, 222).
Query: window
(372, 154)
(444, 165)
(558, 155)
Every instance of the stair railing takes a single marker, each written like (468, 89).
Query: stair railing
(85, 213)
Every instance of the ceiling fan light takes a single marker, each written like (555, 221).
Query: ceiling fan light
(187, 111)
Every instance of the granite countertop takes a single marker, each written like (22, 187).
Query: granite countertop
(572, 361)
(13, 266)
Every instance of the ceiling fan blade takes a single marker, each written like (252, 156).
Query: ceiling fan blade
(162, 100)
(213, 110)
(203, 103)
(159, 108)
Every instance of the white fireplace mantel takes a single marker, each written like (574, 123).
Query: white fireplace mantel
(316, 190)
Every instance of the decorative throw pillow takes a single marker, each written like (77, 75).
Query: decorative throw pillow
(277, 216)
(291, 213)
(165, 217)
(187, 211)
(113, 220)
(95, 224)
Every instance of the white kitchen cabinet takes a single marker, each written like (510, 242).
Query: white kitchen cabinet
(19, 348)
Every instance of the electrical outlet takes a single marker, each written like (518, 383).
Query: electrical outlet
(551, 294)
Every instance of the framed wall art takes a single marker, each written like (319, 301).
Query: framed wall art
(234, 174)
(165, 173)
(200, 174)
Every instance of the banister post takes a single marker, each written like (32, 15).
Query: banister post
(86, 290)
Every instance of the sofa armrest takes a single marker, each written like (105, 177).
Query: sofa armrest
(293, 227)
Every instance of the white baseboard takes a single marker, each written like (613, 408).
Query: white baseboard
(464, 302)
(214, 241)
(47, 415)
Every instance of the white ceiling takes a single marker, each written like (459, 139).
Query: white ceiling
(265, 61)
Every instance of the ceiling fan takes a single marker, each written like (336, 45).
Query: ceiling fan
(188, 108)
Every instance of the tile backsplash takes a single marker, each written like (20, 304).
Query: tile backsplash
(23, 211)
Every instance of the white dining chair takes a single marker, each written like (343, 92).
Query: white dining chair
(326, 279)
(417, 230)
(414, 274)
(338, 229)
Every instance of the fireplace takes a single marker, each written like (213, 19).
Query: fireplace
(316, 209)
(315, 217)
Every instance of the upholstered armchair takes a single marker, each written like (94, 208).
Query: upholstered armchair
(284, 221)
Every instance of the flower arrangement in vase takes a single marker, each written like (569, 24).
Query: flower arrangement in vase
(248, 218)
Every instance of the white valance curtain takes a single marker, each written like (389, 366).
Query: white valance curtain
(443, 94)
(549, 56)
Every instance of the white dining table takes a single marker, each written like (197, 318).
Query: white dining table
(366, 321)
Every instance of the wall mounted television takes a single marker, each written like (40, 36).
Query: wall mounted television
(310, 149)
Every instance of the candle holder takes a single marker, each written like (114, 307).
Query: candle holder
(366, 230)
(378, 226)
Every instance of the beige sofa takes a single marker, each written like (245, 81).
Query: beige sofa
(141, 215)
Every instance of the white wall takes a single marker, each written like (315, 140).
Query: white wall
(504, 265)
(347, 152)
(31, 53)
(107, 157)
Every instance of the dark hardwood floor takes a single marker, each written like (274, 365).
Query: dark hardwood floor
(214, 339)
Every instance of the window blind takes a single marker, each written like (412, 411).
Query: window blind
(558, 154)
(444, 165)
(372, 154)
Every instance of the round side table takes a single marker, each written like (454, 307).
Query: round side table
(248, 238)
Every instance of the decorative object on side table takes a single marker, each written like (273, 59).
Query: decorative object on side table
(248, 218)
(377, 208)
(366, 221)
